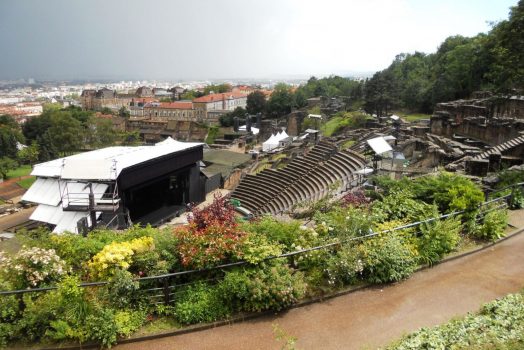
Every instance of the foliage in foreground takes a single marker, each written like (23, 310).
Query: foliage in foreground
(372, 253)
(497, 323)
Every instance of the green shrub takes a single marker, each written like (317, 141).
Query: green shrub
(343, 222)
(437, 239)
(101, 326)
(200, 303)
(122, 289)
(388, 258)
(450, 192)
(7, 333)
(71, 307)
(38, 315)
(401, 206)
(127, 322)
(344, 267)
(493, 225)
(268, 287)
(290, 234)
(256, 248)
(516, 199)
(9, 312)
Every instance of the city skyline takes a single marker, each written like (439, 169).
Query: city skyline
(231, 39)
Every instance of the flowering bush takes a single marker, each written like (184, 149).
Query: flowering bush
(344, 267)
(209, 246)
(356, 199)
(118, 255)
(220, 211)
(270, 287)
(212, 236)
(32, 267)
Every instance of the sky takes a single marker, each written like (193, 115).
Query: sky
(226, 39)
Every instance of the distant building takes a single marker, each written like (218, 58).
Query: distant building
(179, 110)
(211, 107)
(104, 98)
(136, 106)
(144, 91)
(22, 111)
(177, 91)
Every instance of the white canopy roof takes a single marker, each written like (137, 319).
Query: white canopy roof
(107, 163)
(254, 130)
(379, 145)
(47, 192)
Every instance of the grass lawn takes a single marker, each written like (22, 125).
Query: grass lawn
(348, 144)
(26, 183)
(413, 117)
(331, 126)
(20, 171)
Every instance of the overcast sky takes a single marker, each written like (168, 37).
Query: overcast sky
(213, 39)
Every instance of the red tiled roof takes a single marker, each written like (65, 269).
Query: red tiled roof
(144, 99)
(219, 97)
(171, 105)
(177, 105)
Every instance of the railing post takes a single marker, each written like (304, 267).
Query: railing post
(166, 291)
(511, 197)
(21, 303)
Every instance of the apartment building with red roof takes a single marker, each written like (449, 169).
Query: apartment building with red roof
(212, 106)
(179, 110)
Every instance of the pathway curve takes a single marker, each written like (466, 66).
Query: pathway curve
(373, 317)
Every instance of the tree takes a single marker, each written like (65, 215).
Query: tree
(100, 133)
(217, 89)
(29, 154)
(106, 110)
(124, 112)
(256, 102)
(130, 138)
(281, 101)
(227, 119)
(67, 133)
(506, 48)
(10, 136)
(6, 164)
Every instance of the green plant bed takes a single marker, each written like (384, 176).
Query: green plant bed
(498, 325)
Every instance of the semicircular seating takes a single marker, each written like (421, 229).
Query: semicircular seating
(305, 178)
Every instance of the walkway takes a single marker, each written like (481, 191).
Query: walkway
(8, 221)
(373, 317)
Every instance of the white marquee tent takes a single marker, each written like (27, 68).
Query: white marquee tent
(272, 142)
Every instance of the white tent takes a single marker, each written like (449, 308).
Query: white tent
(270, 143)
